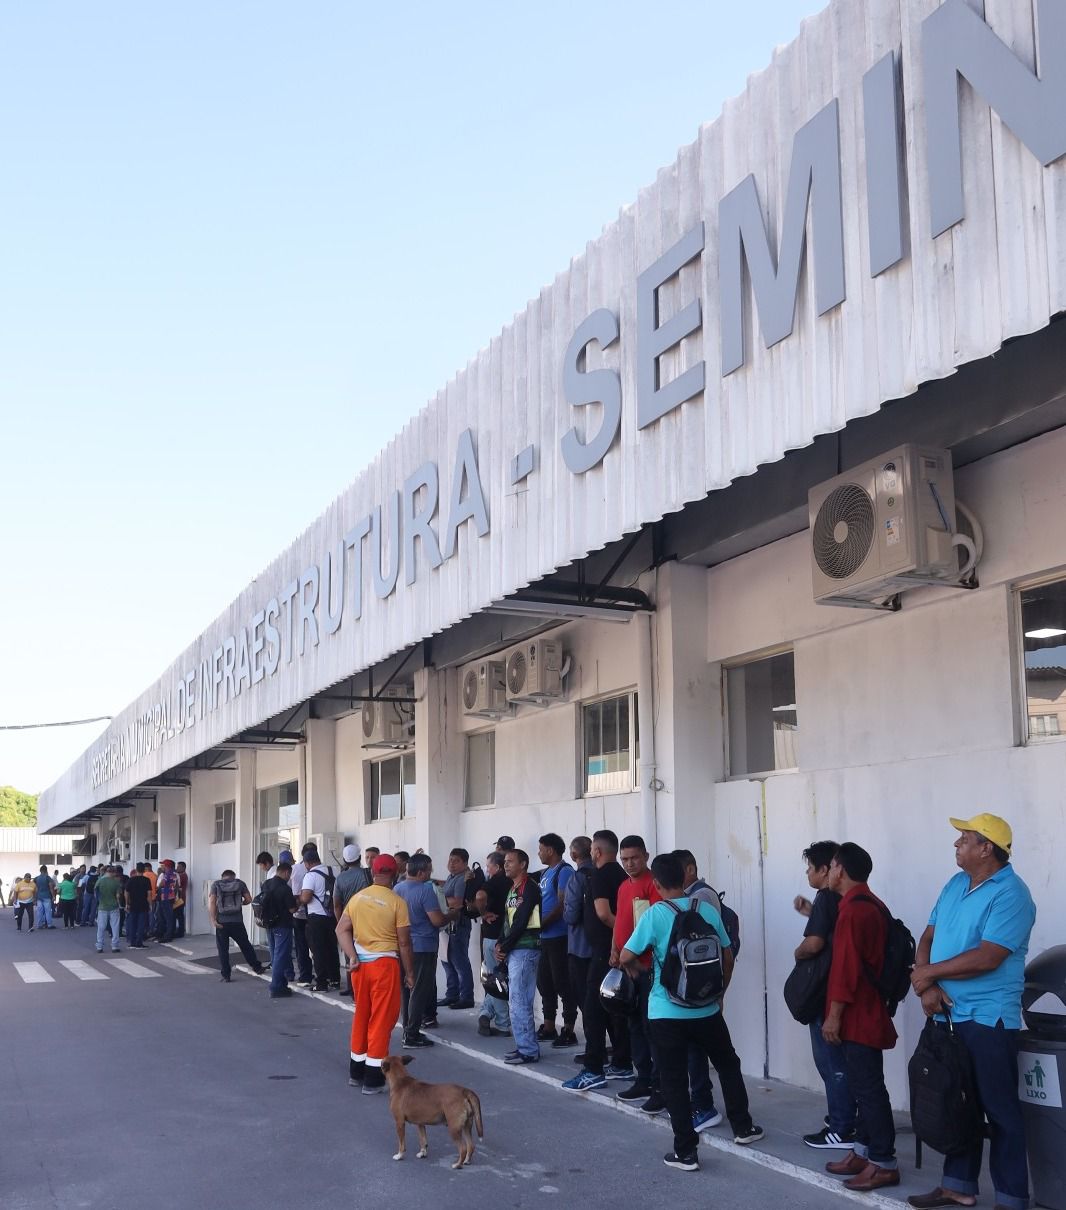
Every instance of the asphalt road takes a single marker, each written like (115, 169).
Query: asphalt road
(156, 1083)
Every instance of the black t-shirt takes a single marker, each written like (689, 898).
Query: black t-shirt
(277, 900)
(603, 884)
(823, 917)
(496, 889)
(138, 888)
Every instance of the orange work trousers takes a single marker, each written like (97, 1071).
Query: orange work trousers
(376, 988)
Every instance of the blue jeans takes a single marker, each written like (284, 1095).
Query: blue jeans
(136, 926)
(457, 972)
(492, 1010)
(834, 1072)
(875, 1130)
(280, 943)
(88, 908)
(44, 913)
(522, 986)
(995, 1067)
(166, 920)
(103, 919)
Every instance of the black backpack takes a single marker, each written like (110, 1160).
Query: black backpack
(692, 974)
(806, 987)
(945, 1111)
(330, 879)
(894, 982)
(475, 883)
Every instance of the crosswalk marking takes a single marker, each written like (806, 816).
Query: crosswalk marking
(33, 972)
(131, 968)
(82, 970)
(178, 964)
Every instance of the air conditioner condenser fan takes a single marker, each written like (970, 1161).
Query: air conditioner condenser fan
(843, 531)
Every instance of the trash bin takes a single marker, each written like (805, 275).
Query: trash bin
(1042, 1077)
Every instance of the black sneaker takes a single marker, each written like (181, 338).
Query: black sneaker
(417, 1042)
(484, 1027)
(687, 1163)
(566, 1037)
(826, 1138)
(752, 1135)
(655, 1104)
(281, 993)
(431, 1023)
(635, 1093)
(546, 1033)
(356, 1072)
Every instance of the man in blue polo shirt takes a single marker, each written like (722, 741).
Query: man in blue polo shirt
(676, 1027)
(971, 958)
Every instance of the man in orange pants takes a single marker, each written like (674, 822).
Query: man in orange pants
(375, 933)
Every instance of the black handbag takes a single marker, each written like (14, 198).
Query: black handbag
(945, 1111)
(805, 988)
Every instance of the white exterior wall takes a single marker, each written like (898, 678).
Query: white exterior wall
(904, 720)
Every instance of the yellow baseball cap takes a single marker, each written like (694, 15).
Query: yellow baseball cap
(991, 827)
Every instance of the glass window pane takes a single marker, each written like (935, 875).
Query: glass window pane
(608, 764)
(389, 800)
(375, 791)
(762, 717)
(410, 797)
(1044, 649)
(481, 769)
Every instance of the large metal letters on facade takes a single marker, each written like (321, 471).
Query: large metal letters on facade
(884, 203)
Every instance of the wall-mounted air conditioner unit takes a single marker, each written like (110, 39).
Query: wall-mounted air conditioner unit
(534, 671)
(884, 527)
(388, 724)
(485, 689)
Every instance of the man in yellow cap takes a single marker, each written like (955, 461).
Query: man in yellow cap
(971, 959)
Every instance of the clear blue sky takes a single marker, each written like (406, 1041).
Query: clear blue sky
(243, 242)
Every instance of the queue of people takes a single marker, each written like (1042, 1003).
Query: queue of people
(147, 905)
(618, 911)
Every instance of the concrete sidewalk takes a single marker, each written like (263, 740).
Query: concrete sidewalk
(785, 1111)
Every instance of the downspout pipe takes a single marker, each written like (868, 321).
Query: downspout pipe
(649, 815)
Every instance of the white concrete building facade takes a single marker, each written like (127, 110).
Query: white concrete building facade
(866, 250)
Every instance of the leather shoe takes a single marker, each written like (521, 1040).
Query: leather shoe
(850, 1165)
(873, 1177)
(938, 1197)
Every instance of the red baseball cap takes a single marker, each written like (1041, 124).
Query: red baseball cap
(384, 863)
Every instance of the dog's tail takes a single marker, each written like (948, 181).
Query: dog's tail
(474, 1105)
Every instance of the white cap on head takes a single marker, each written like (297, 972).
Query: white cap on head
(351, 852)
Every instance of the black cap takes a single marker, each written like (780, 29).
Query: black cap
(310, 847)
(506, 843)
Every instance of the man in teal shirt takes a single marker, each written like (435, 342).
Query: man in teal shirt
(676, 1027)
(971, 959)
(108, 890)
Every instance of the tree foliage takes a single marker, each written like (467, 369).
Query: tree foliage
(17, 810)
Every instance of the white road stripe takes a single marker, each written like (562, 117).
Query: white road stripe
(82, 970)
(33, 972)
(179, 964)
(132, 968)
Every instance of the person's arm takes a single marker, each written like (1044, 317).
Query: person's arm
(603, 911)
(802, 905)
(844, 976)
(212, 910)
(246, 895)
(978, 961)
(346, 939)
(629, 962)
(561, 884)
(407, 954)
(809, 947)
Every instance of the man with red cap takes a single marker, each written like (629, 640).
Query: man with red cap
(375, 934)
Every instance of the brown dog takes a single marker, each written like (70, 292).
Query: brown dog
(428, 1105)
